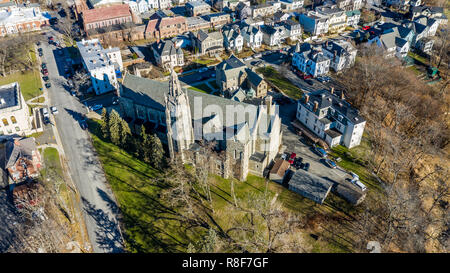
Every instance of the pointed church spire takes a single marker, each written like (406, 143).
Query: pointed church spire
(174, 88)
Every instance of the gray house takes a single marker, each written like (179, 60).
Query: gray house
(208, 43)
(167, 55)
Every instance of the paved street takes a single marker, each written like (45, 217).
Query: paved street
(85, 169)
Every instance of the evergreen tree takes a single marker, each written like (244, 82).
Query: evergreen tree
(105, 124)
(125, 134)
(115, 127)
(145, 147)
(156, 152)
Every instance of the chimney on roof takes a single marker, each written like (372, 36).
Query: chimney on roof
(316, 105)
(306, 99)
(342, 95)
(332, 90)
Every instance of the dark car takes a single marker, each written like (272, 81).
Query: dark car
(310, 82)
(45, 78)
(38, 43)
(298, 163)
(44, 65)
(306, 167)
(48, 85)
(83, 124)
(40, 54)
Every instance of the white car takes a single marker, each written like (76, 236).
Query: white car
(54, 110)
(359, 184)
(45, 112)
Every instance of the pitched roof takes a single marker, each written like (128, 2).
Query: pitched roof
(166, 48)
(104, 13)
(230, 63)
(310, 186)
(19, 148)
(280, 167)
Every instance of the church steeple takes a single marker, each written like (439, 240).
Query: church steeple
(180, 132)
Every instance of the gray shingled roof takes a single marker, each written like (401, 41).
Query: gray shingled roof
(24, 150)
(310, 186)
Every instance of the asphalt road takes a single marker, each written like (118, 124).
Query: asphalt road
(99, 209)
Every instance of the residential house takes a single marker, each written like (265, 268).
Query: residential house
(311, 60)
(336, 17)
(331, 118)
(22, 159)
(293, 29)
(94, 4)
(314, 23)
(436, 13)
(196, 8)
(243, 11)
(425, 45)
(280, 16)
(341, 53)
(184, 119)
(217, 20)
(353, 17)
(167, 55)
(196, 23)
(229, 5)
(106, 16)
(232, 38)
(291, 5)
(142, 6)
(253, 36)
(262, 10)
(16, 20)
(394, 39)
(101, 64)
(273, 35)
(162, 26)
(133, 6)
(349, 5)
(14, 112)
(232, 75)
(207, 42)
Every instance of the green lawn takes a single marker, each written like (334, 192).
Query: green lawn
(51, 158)
(204, 88)
(29, 83)
(281, 82)
(147, 220)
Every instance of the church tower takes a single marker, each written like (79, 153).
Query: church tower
(180, 132)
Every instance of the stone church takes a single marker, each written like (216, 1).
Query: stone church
(243, 138)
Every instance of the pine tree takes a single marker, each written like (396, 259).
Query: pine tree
(145, 146)
(105, 124)
(115, 127)
(125, 134)
(156, 152)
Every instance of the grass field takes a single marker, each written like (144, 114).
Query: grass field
(203, 87)
(281, 82)
(51, 160)
(29, 83)
(148, 226)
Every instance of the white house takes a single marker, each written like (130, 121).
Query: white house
(341, 53)
(314, 22)
(14, 112)
(142, 5)
(252, 35)
(167, 54)
(232, 38)
(101, 64)
(273, 36)
(331, 118)
(337, 18)
(353, 17)
(133, 6)
(311, 60)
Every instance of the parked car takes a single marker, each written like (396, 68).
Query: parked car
(330, 163)
(359, 184)
(248, 58)
(45, 78)
(320, 151)
(258, 55)
(96, 107)
(83, 124)
(48, 85)
(44, 65)
(45, 114)
(41, 54)
(38, 43)
(284, 156)
(40, 49)
(305, 77)
(291, 158)
(298, 162)
(115, 101)
(73, 93)
(54, 110)
(306, 166)
(310, 82)
(366, 27)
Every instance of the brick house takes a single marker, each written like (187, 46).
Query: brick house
(106, 16)
(15, 20)
(161, 26)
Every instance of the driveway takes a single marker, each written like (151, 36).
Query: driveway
(98, 205)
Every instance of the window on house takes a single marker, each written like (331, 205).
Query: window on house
(17, 128)
(13, 119)
(5, 122)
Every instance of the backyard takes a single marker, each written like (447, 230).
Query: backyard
(29, 81)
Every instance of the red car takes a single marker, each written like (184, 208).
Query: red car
(366, 27)
(307, 77)
(291, 158)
